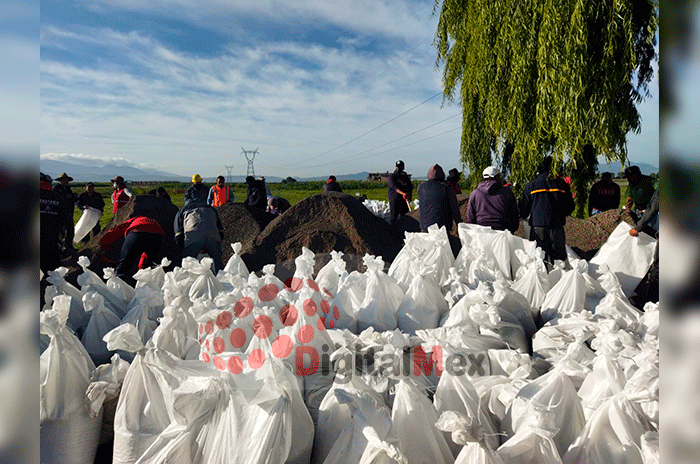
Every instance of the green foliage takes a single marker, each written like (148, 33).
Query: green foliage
(547, 77)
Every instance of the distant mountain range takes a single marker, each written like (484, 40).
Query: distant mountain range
(94, 173)
(616, 168)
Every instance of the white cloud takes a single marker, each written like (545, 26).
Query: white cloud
(86, 160)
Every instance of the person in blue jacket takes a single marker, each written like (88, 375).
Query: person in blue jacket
(546, 202)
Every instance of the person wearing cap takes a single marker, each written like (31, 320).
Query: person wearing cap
(257, 193)
(453, 180)
(121, 194)
(94, 200)
(198, 229)
(332, 185)
(52, 220)
(400, 192)
(143, 238)
(640, 188)
(438, 202)
(546, 202)
(493, 205)
(197, 192)
(68, 198)
(219, 193)
(604, 195)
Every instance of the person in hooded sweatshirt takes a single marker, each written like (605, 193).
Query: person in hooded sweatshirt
(438, 202)
(493, 205)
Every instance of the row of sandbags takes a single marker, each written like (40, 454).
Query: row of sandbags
(255, 333)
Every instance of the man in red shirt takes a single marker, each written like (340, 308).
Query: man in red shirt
(121, 194)
(143, 237)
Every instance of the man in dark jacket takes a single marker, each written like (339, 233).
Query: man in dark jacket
(493, 205)
(52, 219)
(648, 288)
(546, 202)
(640, 188)
(198, 229)
(197, 192)
(94, 200)
(438, 202)
(257, 194)
(332, 185)
(64, 191)
(604, 196)
(400, 191)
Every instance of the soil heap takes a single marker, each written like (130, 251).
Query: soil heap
(242, 223)
(322, 223)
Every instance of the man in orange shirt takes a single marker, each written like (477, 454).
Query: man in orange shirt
(121, 194)
(220, 193)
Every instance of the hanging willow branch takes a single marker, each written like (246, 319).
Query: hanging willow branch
(545, 76)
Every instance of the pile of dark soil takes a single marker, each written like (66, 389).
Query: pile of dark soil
(322, 223)
(586, 236)
(241, 223)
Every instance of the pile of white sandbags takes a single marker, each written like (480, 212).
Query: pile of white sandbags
(487, 357)
(381, 208)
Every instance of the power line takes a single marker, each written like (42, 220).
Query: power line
(368, 132)
(392, 149)
(353, 157)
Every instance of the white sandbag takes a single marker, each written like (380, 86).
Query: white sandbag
(103, 394)
(555, 392)
(556, 273)
(77, 317)
(516, 304)
(518, 246)
(382, 298)
(176, 334)
(328, 276)
(532, 443)
(88, 220)
(102, 320)
(605, 380)
(567, 296)
(466, 431)
(455, 287)
(495, 244)
(153, 277)
(554, 338)
(456, 393)
(422, 305)
(414, 421)
(368, 438)
(347, 302)
(647, 326)
(612, 434)
(650, 448)
(206, 285)
(120, 289)
(494, 320)
(68, 433)
(628, 257)
(235, 264)
(333, 415)
(533, 284)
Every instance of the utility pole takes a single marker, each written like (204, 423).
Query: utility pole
(250, 156)
(230, 176)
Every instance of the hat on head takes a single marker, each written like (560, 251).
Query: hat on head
(45, 177)
(196, 178)
(436, 172)
(249, 179)
(491, 172)
(64, 176)
(118, 179)
(399, 164)
(632, 171)
(453, 173)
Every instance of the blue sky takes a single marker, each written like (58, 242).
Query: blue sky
(183, 86)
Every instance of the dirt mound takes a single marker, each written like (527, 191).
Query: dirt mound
(241, 223)
(323, 222)
(586, 236)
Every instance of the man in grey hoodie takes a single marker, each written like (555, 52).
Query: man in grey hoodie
(493, 205)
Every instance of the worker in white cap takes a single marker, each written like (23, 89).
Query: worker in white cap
(493, 205)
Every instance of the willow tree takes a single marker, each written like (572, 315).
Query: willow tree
(545, 77)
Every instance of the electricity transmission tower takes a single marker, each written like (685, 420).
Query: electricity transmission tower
(250, 156)
(230, 177)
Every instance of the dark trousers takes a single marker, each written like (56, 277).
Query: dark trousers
(207, 245)
(552, 241)
(397, 208)
(49, 252)
(135, 244)
(648, 288)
